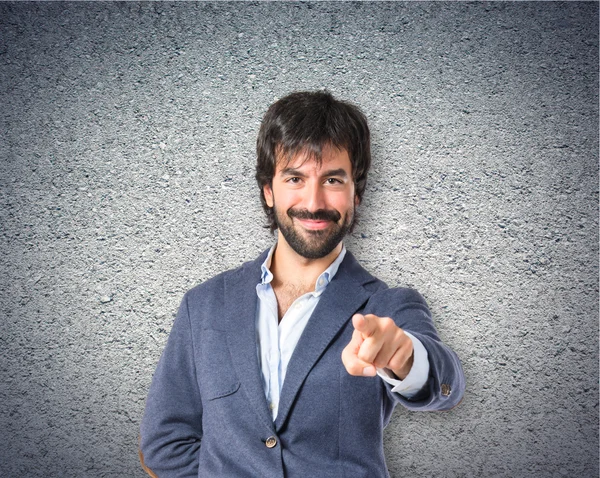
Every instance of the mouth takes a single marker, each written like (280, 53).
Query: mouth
(314, 224)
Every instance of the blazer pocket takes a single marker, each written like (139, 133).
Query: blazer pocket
(216, 375)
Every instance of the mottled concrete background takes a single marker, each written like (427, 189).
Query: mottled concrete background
(126, 175)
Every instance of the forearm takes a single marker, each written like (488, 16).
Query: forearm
(445, 383)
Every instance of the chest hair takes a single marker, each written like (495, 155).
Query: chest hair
(287, 294)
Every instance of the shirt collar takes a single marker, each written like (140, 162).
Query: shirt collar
(322, 281)
(266, 275)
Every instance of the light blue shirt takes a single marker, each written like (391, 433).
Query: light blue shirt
(277, 340)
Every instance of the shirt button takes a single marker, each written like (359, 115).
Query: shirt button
(271, 406)
(271, 442)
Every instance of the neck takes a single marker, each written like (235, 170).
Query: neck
(289, 267)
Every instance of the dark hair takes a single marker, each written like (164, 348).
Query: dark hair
(308, 121)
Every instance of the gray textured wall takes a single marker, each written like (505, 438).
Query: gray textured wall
(126, 175)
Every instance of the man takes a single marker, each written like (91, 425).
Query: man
(291, 365)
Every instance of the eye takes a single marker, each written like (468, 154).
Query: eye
(293, 180)
(333, 181)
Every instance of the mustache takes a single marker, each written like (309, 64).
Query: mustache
(318, 215)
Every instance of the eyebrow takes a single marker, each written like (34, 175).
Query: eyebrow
(340, 172)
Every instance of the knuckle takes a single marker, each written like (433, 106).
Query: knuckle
(396, 362)
(400, 336)
(388, 324)
(380, 363)
(401, 357)
(367, 350)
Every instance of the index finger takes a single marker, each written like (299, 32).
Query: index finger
(365, 324)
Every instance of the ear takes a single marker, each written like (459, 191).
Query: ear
(356, 200)
(268, 193)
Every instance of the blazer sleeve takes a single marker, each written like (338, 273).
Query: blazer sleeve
(446, 382)
(171, 428)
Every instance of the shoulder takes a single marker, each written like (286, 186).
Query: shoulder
(248, 274)
(380, 292)
(351, 269)
(403, 295)
(406, 306)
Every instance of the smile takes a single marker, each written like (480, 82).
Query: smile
(314, 224)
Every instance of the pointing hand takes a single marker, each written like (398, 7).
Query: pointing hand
(377, 342)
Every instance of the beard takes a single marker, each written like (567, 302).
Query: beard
(313, 244)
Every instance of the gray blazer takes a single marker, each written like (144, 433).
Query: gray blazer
(207, 415)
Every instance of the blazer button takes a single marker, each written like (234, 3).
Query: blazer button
(446, 389)
(271, 442)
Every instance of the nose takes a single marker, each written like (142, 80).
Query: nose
(314, 197)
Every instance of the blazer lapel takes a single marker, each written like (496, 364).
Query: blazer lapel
(342, 298)
(240, 316)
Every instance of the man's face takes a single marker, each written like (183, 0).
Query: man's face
(313, 204)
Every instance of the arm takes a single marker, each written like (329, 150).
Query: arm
(379, 341)
(171, 428)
